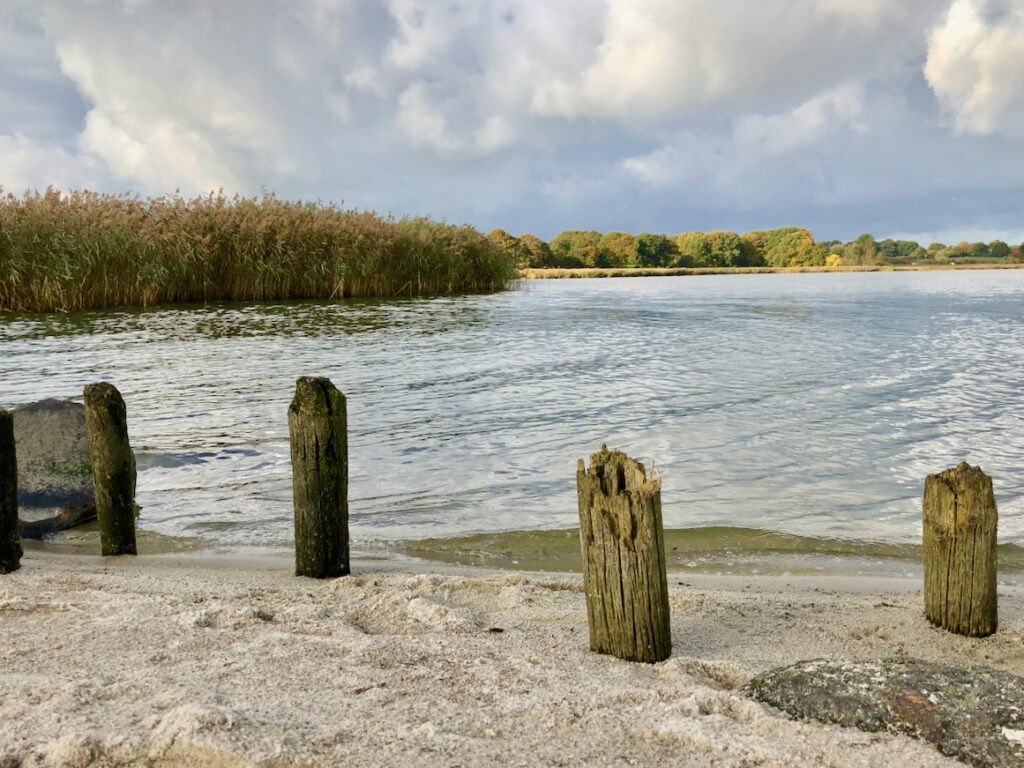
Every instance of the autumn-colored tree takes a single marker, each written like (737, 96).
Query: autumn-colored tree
(753, 249)
(693, 250)
(510, 245)
(538, 253)
(576, 248)
(619, 249)
(862, 251)
(790, 247)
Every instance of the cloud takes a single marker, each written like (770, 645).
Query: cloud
(25, 161)
(976, 66)
(654, 114)
(692, 58)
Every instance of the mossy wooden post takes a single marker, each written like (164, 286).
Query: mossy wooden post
(317, 423)
(623, 550)
(960, 518)
(10, 529)
(113, 479)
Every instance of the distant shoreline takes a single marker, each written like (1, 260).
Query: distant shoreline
(554, 273)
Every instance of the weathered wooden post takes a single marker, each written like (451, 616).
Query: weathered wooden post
(317, 423)
(960, 518)
(10, 530)
(623, 550)
(113, 477)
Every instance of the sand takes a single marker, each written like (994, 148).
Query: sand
(186, 660)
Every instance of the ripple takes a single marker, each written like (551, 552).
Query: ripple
(806, 404)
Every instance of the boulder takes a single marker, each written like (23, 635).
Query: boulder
(53, 455)
(54, 471)
(971, 712)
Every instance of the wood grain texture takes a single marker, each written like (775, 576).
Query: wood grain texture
(623, 551)
(10, 529)
(960, 522)
(317, 424)
(113, 468)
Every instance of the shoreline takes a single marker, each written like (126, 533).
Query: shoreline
(556, 273)
(191, 659)
(706, 550)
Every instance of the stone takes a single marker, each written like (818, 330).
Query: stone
(971, 712)
(54, 467)
(53, 455)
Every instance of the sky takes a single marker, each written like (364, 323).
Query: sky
(896, 117)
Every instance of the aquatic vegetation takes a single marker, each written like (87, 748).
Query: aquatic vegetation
(84, 250)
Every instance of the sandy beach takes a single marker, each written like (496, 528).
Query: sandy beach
(192, 660)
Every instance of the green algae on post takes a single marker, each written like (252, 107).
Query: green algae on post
(318, 427)
(113, 468)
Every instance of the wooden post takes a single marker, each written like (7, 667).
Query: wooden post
(113, 477)
(623, 549)
(960, 518)
(317, 423)
(10, 531)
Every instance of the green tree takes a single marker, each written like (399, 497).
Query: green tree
(977, 250)
(725, 249)
(654, 250)
(997, 249)
(861, 251)
(693, 250)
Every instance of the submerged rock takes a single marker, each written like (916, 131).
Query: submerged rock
(53, 455)
(971, 712)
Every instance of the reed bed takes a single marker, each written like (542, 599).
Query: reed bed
(86, 250)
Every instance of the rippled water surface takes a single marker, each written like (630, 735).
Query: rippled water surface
(811, 404)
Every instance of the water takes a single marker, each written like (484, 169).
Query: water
(808, 404)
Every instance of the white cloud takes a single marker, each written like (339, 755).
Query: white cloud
(527, 114)
(976, 65)
(807, 124)
(691, 58)
(25, 161)
(421, 121)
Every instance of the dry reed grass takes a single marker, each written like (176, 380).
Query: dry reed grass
(85, 250)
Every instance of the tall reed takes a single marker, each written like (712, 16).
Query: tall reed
(84, 250)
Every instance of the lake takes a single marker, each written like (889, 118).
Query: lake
(810, 404)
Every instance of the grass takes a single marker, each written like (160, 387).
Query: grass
(86, 250)
(534, 273)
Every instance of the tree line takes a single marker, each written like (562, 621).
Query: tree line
(782, 247)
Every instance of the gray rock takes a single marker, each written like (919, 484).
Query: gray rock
(53, 455)
(971, 712)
